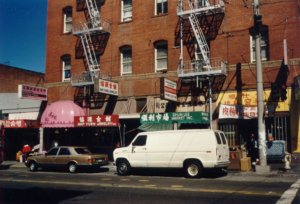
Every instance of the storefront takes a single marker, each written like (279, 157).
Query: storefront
(17, 133)
(238, 117)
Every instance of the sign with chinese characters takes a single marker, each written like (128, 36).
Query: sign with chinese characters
(238, 112)
(297, 88)
(32, 92)
(180, 117)
(24, 116)
(249, 98)
(21, 123)
(168, 89)
(96, 121)
(106, 87)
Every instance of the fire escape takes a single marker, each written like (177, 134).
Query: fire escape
(85, 30)
(192, 10)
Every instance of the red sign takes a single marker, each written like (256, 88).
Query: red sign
(21, 123)
(96, 121)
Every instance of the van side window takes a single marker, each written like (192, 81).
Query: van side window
(140, 141)
(223, 138)
(218, 138)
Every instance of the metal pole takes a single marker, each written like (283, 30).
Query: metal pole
(262, 167)
(210, 104)
(181, 42)
(41, 130)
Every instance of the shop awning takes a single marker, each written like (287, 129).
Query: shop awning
(164, 121)
(61, 114)
(97, 121)
(20, 123)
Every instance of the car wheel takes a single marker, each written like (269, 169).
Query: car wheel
(33, 166)
(193, 169)
(72, 168)
(123, 167)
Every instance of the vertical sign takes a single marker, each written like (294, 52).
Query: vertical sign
(168, 89)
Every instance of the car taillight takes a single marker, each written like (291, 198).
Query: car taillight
(91, 160)
(105, 159)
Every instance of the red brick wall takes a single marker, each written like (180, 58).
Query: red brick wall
(145, 29)
(11, 77)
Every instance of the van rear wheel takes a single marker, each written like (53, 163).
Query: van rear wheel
(193, 169)
(123, 167)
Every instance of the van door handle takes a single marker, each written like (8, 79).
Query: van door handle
(144, 148)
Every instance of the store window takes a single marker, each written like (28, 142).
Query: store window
(67, 20)
(126, 60)
(161, 7)
(161, 55)
(264, 44)
(66, 67)
(230, 133)
(126, 10)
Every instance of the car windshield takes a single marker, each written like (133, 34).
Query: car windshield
(82, 151)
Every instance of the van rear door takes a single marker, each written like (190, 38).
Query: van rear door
(225, 152)
(219, 149)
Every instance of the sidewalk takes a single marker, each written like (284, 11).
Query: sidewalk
(277, 169)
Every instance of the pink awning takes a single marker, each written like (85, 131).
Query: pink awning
(61, 114)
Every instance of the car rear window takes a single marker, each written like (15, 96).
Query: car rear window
(218, 138)
(82, 151)
(223, 138)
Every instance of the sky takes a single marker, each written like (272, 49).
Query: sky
(23, 33)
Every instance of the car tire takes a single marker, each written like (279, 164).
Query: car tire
(193, 169)
(33, 166)
(123, 167)
(73, 168)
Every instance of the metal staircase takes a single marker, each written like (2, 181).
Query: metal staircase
(192, 9)
(200, 38)
(96, 25)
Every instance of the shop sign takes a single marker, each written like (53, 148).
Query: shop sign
(21, 124)
(106, 87)
(32, 92)
(180, 117)
(297, 88)
(96, 121)
(24, 116)
(243, 112)
(168, 89)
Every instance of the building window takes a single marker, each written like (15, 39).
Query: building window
(126, 8)
(66, 66)
(161, 7)
(126, 60)
(68, 20)
(264, 44)
(161, 55)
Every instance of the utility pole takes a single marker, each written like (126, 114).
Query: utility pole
(262, 167)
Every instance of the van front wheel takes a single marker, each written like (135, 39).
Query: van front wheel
(123, 167)
(193, 169)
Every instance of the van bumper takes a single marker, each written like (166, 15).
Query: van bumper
(222, 164)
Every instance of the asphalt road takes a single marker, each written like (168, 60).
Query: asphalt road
(19, 185)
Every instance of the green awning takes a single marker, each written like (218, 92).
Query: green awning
(148, 127)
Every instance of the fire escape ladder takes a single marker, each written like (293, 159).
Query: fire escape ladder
(94, 13)
(200, 37)
(89, 52)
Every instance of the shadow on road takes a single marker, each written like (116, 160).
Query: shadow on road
(38, 195)
(207, 173)
(4, 167)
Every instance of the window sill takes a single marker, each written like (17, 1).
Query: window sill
(160, 15)
(125, 22)
(66, 33)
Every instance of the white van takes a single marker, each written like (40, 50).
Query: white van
(192, 150)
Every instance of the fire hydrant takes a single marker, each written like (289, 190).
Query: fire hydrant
(287, 160)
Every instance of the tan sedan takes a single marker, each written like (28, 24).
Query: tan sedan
(71, 157)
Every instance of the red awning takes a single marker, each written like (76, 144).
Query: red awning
(20, 123)
(96, 121)
(61, 114)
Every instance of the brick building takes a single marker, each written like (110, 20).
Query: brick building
(136, 44)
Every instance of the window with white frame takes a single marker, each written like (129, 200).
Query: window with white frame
(161, 7)
(67, 20)
(66, 67)
(126, 12)
(264, 45)
(126, 60)
(161, 55)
